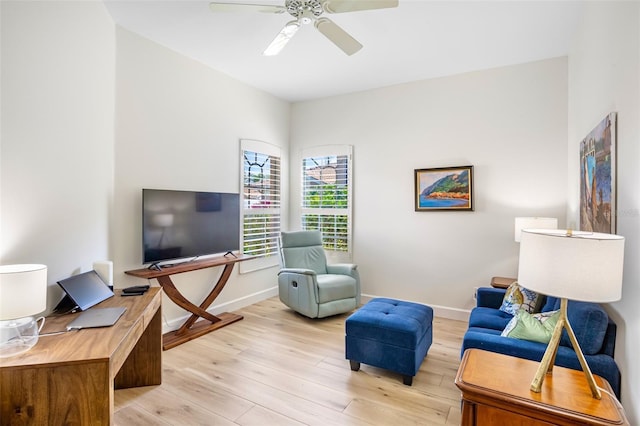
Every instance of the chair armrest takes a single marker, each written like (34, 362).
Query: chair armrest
(342, 268)
(298, 289)
(300, 271)
(489, 297)
(350, 269)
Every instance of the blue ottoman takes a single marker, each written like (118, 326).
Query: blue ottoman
(389, 334)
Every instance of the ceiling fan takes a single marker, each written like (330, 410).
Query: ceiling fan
(306, 12)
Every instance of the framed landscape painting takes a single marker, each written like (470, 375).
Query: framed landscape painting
(444, 188)
(598, 178)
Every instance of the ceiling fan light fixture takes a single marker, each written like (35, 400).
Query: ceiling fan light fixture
(282, 39)
(306, 17)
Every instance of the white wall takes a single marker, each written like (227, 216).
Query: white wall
(604, 76)
(509, 123)
(178, 126)
(57, 135)
(71, 184)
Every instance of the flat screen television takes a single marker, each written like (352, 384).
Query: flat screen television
(188, 224)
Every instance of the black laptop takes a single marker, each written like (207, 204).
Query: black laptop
(83, 291)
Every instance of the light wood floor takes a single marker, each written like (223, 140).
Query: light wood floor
(276, 367)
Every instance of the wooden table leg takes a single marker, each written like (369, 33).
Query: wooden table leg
(193, 328)
(177, 298)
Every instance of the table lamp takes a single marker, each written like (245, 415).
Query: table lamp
(533, 223)
(23, 294)
(576, 265)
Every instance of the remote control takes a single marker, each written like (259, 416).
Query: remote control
(136, 289)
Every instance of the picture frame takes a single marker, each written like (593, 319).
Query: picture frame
(444, 188)
(598, 177)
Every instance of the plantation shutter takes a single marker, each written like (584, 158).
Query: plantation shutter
(326, 197)
(261, 200)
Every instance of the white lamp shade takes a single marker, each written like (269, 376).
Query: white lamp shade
(585, 266)
(23, 290)
(163, 220)
(533, 223)
(104, 269)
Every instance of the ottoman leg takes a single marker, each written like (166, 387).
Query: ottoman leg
(407, 380)
(355, 365)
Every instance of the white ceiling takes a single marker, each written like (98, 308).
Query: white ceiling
(418, 40)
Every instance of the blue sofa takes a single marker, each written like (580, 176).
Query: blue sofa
(594, 330)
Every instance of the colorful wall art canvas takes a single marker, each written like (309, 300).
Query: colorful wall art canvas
(445, 188)
(598, 178)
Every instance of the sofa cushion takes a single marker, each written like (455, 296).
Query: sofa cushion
(589, 323)
(551, 304)
(518, 297)
(535, 327)
(490, 318)
(489, 297)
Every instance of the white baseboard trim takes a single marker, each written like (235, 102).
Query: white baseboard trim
(234, 305)
(438, 311)
(451, 313)
(230, 306)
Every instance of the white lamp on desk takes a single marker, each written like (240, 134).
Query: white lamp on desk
(23, 294)
(574, 265)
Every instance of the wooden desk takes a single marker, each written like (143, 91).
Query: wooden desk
(495, 391)
(192, 329)
(70, 378)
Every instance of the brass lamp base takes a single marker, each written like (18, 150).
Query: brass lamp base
(546, 365)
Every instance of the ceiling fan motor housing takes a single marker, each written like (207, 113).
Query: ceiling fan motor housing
(304, 10)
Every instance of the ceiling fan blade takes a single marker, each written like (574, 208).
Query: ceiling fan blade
(340, 6)
(282, 39)
(338, 36)
(244, 7)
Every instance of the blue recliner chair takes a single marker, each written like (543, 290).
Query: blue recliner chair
(308, 285)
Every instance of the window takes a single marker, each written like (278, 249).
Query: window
(326, 196)
(261, 199)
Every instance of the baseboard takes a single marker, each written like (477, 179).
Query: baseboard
(234, 305)
(438, 311)
(451, 313)
(230, 306)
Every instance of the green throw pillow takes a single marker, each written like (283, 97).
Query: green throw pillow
(534, 327)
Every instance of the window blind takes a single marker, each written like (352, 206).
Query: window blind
(261, 199)
(327, 194)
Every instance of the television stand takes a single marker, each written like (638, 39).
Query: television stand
(192, 328)
(155, 267)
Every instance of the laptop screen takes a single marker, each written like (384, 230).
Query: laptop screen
(86, 289)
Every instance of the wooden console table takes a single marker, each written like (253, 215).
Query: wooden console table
(495, 391)
(193, 328)
(70, 378)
